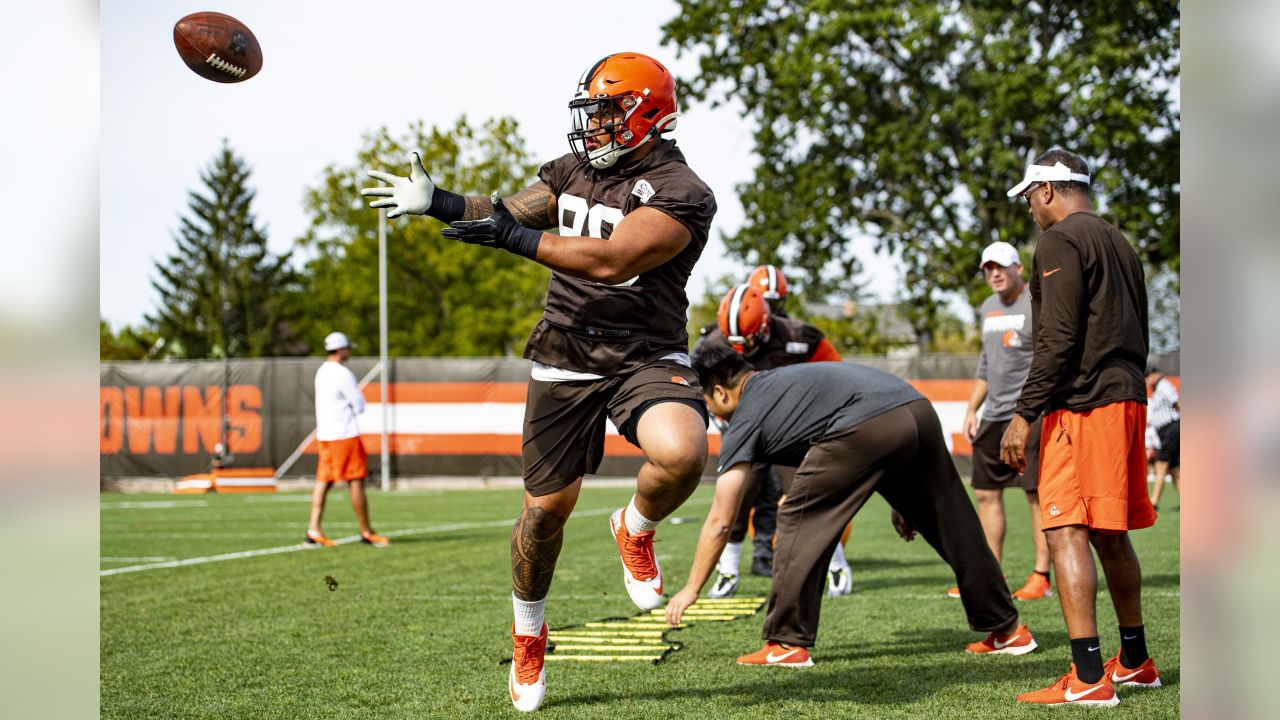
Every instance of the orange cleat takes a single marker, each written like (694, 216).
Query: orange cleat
(527, 681)
(1018, 642)
(1145, 675)
(1069, 690)
(778, 654)
(374, 539)
(319, 540)
(1037, 587)
(640, 572)
(953, 592)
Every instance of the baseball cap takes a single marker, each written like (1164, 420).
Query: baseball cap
(335, 341)
(1056, 172)
(1000, 253)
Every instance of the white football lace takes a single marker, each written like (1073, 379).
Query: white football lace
(225, 66)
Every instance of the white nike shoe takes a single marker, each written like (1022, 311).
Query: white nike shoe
(527, 681)
(839, 582)
(724, 586)
(640, 571)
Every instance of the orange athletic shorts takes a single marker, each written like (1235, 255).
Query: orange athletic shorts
(1093, 469)
(343, 460)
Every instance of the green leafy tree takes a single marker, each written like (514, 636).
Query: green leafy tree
(129, 343)
(443, 297)
(223, 291)
(907, 120)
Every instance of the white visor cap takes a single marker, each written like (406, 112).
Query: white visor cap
(335, 341)
(1000, 253)
(1047, 173)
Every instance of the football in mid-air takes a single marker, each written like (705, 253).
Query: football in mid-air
(218, 47)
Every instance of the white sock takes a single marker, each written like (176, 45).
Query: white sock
(529, 616)
(636, 523)
(837, 559)
(728, 564)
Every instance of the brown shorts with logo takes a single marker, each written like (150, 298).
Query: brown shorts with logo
(564, 422)
(990, 472)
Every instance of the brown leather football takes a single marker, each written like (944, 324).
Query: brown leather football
(218, 47)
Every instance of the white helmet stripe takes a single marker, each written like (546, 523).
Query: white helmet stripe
(773, 279)
(735, 306)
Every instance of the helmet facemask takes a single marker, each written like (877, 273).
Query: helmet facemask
(604, 123)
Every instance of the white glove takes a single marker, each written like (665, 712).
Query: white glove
(406, 195)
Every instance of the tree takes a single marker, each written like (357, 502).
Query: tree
(130, 343)
(443, 297)
(907, 120)
(223, 292)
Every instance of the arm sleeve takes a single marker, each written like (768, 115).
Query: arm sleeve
(982, 364)
(1062, 301)
(826, 352)
(352, 393)
(690, 204)
(738, 445)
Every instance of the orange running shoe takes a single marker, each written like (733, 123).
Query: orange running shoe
(640, 572)
(1037, 587)
(777, 654)
(527, 681)
(953, 592)
(374, 539)
(319, 540)
(1145, 675)
(1069, 690)
(1018, 642)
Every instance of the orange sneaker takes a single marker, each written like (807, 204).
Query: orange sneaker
(777, 654)
(1018, 642)
(374, 539)
(953, 592)
(1145, 675)
(319, 540)
(1037, 587)
(1069, 690)
(640, 572)
(527, 681)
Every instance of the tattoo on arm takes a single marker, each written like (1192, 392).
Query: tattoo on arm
(535, 547)
(476, 207)
(533, 207)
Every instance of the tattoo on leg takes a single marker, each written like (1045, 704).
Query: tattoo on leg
(535, 547)
(532, 207)
(476, 207)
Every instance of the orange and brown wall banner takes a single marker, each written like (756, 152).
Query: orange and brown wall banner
(445, 416)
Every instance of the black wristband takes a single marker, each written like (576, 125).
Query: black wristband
(446, 206)
(524, 241)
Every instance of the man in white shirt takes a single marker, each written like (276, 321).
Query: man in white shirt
(1163, 415)
(342, 455)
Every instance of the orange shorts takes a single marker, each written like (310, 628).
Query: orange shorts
(1093, 469)
(343, 460)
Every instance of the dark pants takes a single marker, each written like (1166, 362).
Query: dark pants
(763, 491)
(900, 454)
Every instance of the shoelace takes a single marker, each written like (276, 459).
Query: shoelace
(637, 551)
(527, 670)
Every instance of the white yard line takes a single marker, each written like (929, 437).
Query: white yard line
(343, 541)
(147, 504)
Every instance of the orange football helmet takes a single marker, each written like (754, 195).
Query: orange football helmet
(622, 102)
(769, 281)
(744, 318)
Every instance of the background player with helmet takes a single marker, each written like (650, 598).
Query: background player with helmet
(633, 219)
(746, 322)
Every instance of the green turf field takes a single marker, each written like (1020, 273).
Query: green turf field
(419, 629)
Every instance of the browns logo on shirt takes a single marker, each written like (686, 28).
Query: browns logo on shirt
(611, 329)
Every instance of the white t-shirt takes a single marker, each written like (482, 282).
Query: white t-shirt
(338, 401)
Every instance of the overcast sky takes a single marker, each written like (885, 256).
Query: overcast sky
(333, 71)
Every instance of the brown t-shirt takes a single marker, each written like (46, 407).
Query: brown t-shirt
(1089, 319)
(611, 329)
(790, 342)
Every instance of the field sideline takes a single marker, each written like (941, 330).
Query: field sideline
(419, 629)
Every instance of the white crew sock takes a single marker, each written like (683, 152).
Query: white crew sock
(529, 616)
(636, 523)
(728, 564)
(837, 559)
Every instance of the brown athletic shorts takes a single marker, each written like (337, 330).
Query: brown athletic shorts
(564, 421)
(990, 472)
(1093, 469)
(342, 460)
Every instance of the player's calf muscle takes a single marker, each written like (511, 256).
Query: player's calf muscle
(535, 547)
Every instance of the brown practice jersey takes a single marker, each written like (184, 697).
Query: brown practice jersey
(613, 329)
(790, 342)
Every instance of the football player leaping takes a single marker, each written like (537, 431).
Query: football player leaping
(633, 219)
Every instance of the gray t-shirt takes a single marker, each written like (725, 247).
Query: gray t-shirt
(1007, 347)
(781, 412)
